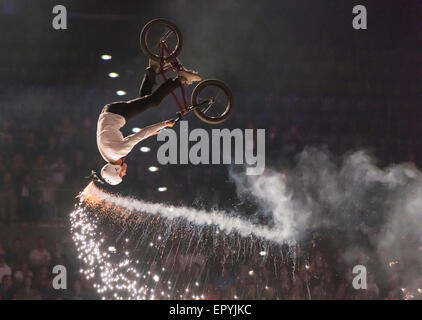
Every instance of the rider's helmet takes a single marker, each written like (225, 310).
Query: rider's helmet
(111, 173)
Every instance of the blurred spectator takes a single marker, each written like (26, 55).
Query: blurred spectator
(66, 130)
(30, 146)
(6, 288)
(20, 273)
(5, 270)
(8, 199)
(17, 254)
(28, 292)
(29, 199)
(77, 291)
(39, 256)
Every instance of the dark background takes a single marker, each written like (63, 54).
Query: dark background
(296, 68)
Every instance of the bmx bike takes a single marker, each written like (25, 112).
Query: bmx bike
(211, 100)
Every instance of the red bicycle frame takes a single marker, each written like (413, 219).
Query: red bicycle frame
(177, 66)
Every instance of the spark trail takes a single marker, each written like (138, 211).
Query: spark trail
(175, 247)
(221, 219)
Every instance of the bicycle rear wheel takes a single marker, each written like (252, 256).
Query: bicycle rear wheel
(161, 39)
(214, 100)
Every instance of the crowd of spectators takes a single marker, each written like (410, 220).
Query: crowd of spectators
(314, 269)
(312, 274)
(26, 271)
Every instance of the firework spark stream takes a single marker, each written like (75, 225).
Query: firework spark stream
(161, 236)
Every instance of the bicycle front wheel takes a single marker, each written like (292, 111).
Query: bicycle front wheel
(213, 100)
(161, 39)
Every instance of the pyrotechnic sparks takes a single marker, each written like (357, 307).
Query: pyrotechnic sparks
(223, 221)
(115, 278)
(156, 234)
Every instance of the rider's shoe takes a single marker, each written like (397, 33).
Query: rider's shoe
(157, 67)
(187, 76)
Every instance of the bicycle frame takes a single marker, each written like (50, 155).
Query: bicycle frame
(176, 65)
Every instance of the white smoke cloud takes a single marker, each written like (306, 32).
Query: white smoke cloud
(271, 193)
(350, 195)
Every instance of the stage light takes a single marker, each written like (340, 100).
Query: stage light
(153, 169)
(162, 189)
(251, 272)
(113, 75)
(263, 253)
(120, 92)
(112, 249)
(145, 149)
(106, 57)
(136, 130)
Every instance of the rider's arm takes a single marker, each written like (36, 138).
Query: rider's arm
(146, 132)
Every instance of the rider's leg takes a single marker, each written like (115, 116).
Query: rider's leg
(162, 91)
(148, 82)
(131, 108)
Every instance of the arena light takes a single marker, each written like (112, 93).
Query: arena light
(112, 249)
(106, 57)
(162, 189)
(121, 92)
(136, 130)
(153, 169)
(145, 149)
(113, 74)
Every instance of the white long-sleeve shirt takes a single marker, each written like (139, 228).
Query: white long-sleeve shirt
(110, 141)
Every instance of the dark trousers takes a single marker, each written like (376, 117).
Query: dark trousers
(147, 98)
